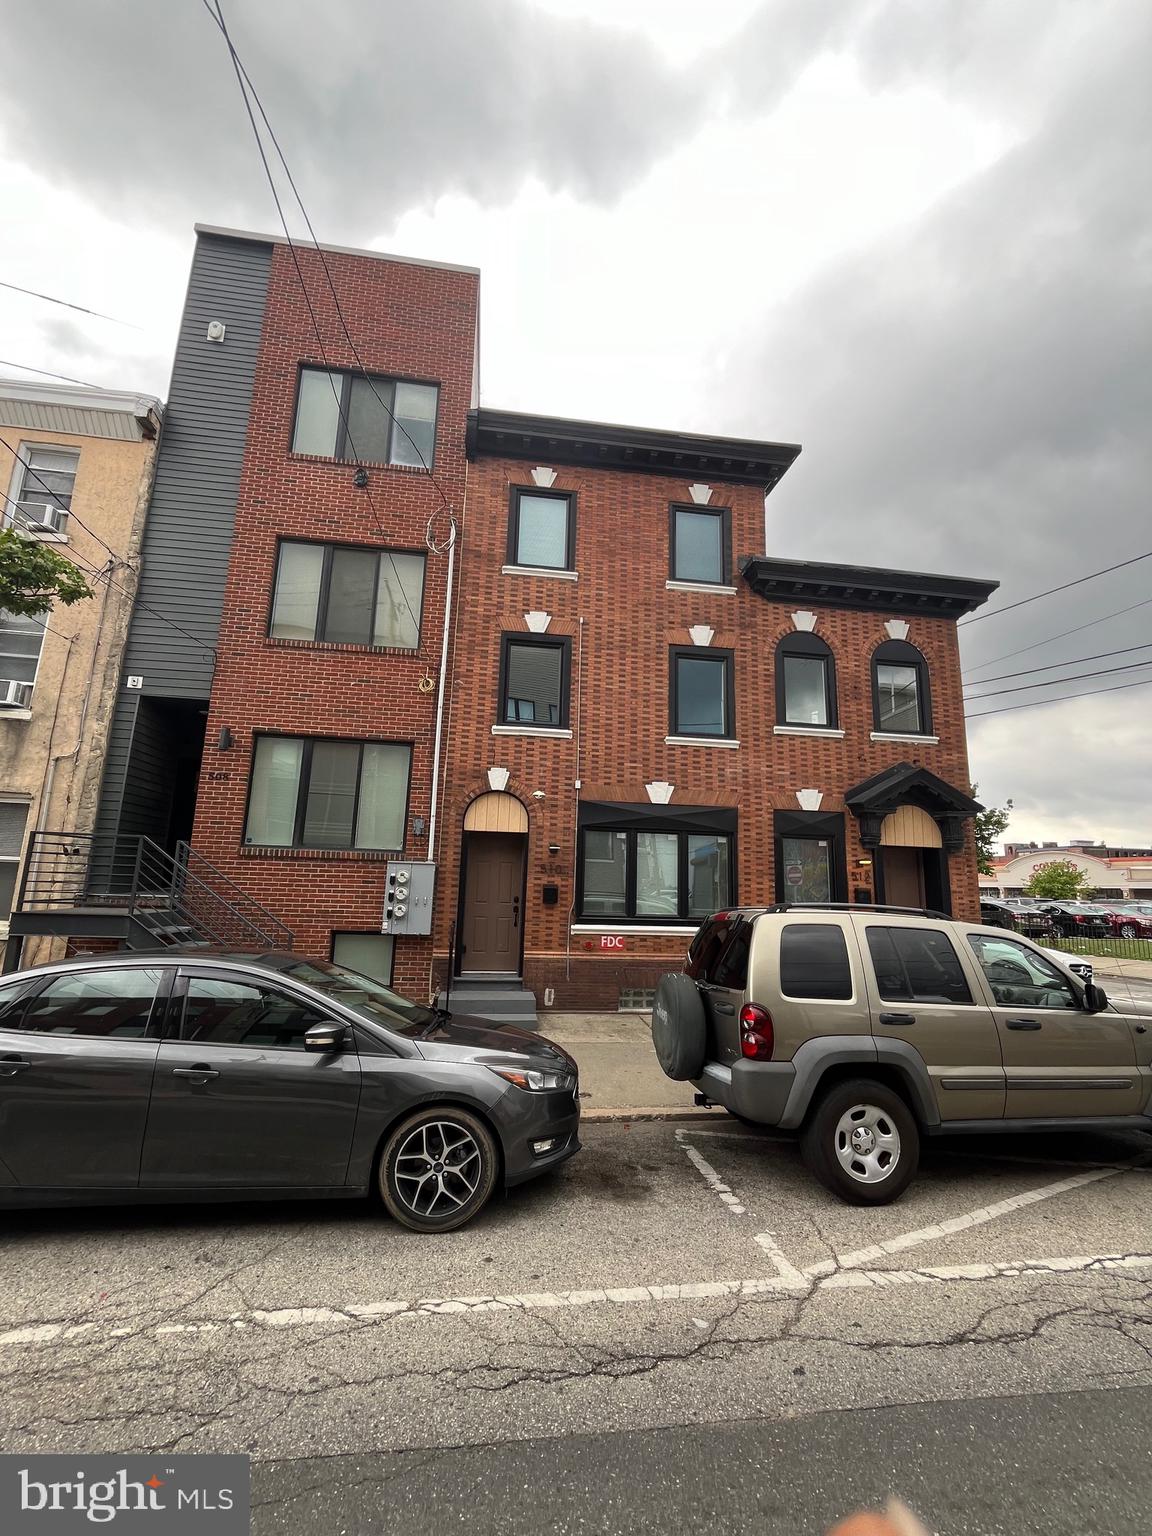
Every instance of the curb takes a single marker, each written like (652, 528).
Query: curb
(608, 1116)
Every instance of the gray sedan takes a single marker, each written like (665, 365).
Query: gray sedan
(202, 1075)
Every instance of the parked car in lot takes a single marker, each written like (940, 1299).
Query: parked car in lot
(1020, 917)
(203, 1075)
(867, 1028)
(1130, 919)
(1079, 920)
(1079, 965)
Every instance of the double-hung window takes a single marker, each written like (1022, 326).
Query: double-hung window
(40, 497)
(542, 530)
(21, 639)
(805, 682)
(315, 793)
(700, 545)
(701, 692)
(650, 872)
(355, 596)
(534, 682)
(352, 417)
(900, 695)
(13, 817)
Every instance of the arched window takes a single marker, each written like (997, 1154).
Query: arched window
(901, 701)
(805, 682)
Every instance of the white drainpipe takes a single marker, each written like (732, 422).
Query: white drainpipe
(440, 693)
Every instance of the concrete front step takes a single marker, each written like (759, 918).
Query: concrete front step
(500, 1004)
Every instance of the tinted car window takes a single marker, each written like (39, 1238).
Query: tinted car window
(814, 962)
(111, 1004)
(245, 1013)
(731, 969)
(917, 965)
(707, 947)
(1019, 977)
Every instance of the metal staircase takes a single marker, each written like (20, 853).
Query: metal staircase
(132, 890)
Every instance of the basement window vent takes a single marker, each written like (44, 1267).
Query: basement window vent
(636, 999)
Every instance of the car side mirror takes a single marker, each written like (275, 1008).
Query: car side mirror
(326, 1037)
(1095, 998)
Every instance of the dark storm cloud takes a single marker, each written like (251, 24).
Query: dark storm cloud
(380, 107)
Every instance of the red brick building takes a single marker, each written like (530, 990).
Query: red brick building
(650, 719)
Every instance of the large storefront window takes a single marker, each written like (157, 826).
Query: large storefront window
(651, 871)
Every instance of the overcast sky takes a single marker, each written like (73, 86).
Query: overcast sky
(912, 235)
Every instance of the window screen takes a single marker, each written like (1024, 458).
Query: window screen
(814, 962)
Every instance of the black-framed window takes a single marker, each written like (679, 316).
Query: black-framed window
(700, 544)
(347, 593)
(901, 701)
(805, 682)
(542, 529)
(654, 874)
(534, 681)
(810, 856)
(701, 692)
(350, 417)
(315, 792)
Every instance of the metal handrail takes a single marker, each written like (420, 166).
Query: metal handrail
(269, 924)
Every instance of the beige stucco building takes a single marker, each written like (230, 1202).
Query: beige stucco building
(76, 471)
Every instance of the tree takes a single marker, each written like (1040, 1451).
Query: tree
(33, 576)
(1060, 880)
(990, 827)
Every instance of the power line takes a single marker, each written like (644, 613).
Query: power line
(1024, 601)
(28, 470)
(1067, 698)
(50, 299)
(1073, 661)
(67, 378)
(1063, 635)
(241, 77)
(1076, 677)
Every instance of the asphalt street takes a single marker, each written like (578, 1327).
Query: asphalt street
(678, 1329)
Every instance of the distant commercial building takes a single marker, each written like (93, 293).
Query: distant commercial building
(77, 473)
(1117, 872)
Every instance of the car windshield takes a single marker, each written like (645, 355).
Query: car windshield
(373, 999)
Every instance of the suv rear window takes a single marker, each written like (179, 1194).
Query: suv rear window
(814, 962)
(917, 965)
(719, 952)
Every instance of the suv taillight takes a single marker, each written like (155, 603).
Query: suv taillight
(756, 1033)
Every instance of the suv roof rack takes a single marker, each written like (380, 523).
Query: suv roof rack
(855, 906)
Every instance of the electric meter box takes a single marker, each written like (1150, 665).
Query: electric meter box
(408, 897)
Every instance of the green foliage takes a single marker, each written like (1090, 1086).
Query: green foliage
(33, 576)
(991, 825)
(1061, 880)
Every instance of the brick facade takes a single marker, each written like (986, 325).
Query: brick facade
(409, 320)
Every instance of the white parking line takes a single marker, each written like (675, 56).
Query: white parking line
(706, 1171)
(695, 1291)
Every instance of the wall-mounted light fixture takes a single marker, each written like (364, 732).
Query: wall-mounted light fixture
(224, 740)
(553, 848)
(360, 478)
(418, 825)
(864, 863)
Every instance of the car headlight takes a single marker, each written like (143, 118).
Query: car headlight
(533, 1081)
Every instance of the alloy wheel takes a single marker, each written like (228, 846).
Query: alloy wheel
(438, 1168)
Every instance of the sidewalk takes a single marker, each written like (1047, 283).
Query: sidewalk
(620, 1077)
(1113, 965)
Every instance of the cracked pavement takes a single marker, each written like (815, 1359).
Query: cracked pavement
(616, 1302)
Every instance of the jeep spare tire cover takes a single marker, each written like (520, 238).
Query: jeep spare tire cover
(679, 1032)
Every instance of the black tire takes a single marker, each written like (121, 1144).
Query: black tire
(679, 1030)
(824, 1131)
(466, 1174)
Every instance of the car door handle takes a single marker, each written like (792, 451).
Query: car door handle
(10, 1065)
(897, 1018)
(1021, 1023)
(200, 1073)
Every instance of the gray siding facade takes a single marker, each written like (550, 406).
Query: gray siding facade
(188, 536)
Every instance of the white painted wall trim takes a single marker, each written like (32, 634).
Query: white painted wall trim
(807, 730)
(698, 586)
(644, 930)
(930, 741)
(533, 730)
(700, 741)
(545, 572)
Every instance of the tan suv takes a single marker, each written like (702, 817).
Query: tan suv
(865, 1028)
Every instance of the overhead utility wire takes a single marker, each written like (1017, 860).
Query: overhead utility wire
(1072, 661)
(1073, 677)
(241, 76)
(1063, 635)
(72, 516)
(1092, 693)
(28, 368)
(80, 308)
(1024, 601)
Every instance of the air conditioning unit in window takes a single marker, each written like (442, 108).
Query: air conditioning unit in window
(14, 695)
(39, 516)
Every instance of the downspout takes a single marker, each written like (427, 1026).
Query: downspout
(576, 796)
(438, 738)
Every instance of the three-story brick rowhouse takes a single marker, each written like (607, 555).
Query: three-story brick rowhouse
(651, 720)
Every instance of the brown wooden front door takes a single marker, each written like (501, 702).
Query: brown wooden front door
(493, 893)
(903, 877)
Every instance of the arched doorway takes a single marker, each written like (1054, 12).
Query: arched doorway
(492, 898)
(910, 856)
